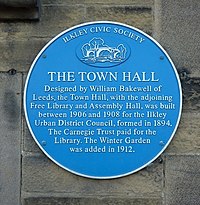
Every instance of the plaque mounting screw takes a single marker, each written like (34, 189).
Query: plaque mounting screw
(12, 71)
(162, 143)
(160, 160)
(44, 143)
(161, 57)
(44, 56)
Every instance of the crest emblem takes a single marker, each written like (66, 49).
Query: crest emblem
(98, 52)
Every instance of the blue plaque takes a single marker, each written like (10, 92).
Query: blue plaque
(102, 100)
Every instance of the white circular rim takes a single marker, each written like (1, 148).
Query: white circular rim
(86, 24)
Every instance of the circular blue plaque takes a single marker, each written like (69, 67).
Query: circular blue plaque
(102, 100)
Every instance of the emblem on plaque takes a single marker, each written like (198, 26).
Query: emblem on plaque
(96, 50)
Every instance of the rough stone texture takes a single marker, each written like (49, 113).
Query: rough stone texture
(18, 3)
(30, 37)
(19, 9)
(10, 126)
(89, 201)
(177, 29)
(11, 13)
(20, 61)
(182, 180)
(39, 174)
(29, 145)
(54, 19)
(186, 139)
(144, 3)
(191, 92)
(139, 17)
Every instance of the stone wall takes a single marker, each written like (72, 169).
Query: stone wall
(27, 177)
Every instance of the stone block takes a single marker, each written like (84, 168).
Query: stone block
(177, 29)
(10, 138)
(186, 139)
(19, 10)
(19, 54)
(54, 19)
(19, 14)
(19, 3)
(90, 201)
(39, 174)
(182, 180)
(29, 145)
(191, 92)
(139, 3)
(139, 17)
